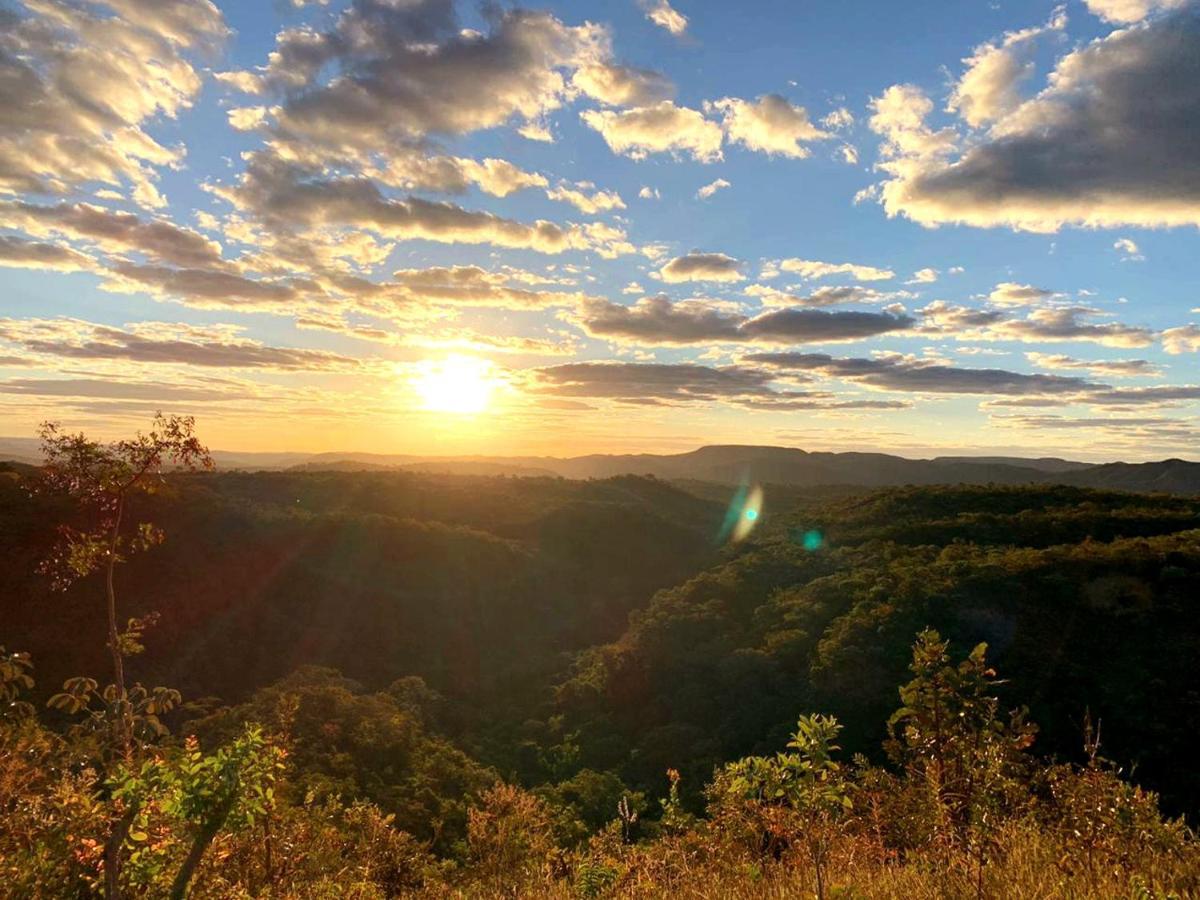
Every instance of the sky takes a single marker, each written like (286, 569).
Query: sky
(421, 226)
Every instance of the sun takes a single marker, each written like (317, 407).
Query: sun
(457, 384)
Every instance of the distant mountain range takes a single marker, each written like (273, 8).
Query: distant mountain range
(733, 464)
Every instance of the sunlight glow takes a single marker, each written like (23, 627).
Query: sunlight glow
(457, 384)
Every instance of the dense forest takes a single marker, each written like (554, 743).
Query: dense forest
(402, 683)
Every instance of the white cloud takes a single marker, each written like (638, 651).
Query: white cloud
(590, 203)
(711, 188)
(769, 125)
(701, 267)
(1127, 11)
(923, 276)
(990, 86)
(1184, 339)
(812, 268)
(659, 128)
(1009, 293)
(662, 14)
(1129, 250)
(623, 85)
(1106, 143)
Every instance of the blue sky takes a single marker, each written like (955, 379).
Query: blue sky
(952, 227)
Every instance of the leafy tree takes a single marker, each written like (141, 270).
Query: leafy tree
(792, 797)
(100, 479)
(952, 741)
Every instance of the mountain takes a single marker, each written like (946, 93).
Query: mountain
(1173, 476)
(733, 464)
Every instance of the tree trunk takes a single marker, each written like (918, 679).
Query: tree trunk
(200, 845)
(124, 727)
(112, 854)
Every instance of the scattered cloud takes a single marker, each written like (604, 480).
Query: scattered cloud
(661, 13)
(1120, 368)
(658, 128)
(923, 276)
(701, 267)
(656, 320)
(163, 343)
(1184, 339)
(1089, 149)
(811, 268)
(896, 373)
(590, 203)
(618, 85)
(1009, 293)
(84, 81)
(711, 188)
(769, 125)
(1125, 12)
(1129, 250)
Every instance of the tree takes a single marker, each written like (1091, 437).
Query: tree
(951, 740)
(100, 479)
(800, 797)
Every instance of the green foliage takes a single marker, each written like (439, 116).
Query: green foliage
(506, 730)
(16, 678)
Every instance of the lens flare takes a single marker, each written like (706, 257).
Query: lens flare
(747, 508)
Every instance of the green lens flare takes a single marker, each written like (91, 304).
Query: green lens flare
(812, 540)
(752, 514)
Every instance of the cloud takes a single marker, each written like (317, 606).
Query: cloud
(701, 267)
(163, 343)
(1070, 324)
(818, 326)
(651, 381)
(116, 390)
(1121, 368)
(711, 188)
(1047, 325)
(656, 320)
(823, 296)
(1009, 293)
(412, 170)
(1127, 11)
(663, 15)
(769, 125)
(989, 88)
(894, 373)
(1184, 339)
(113, 231)
(461, 286)
(1128, 249)
(811, 268)
(19, 253)
(1106, 143)
(658, 128)
(210, 288)
(385, 74)
(662, 384)
(923, 276)
(649, 193)
(618, 85)
(82, 82)
(591, 204)
(287, 197)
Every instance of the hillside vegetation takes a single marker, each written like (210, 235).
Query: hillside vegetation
(413, 684)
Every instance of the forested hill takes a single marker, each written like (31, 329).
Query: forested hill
(480, 585)
(608, 612)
